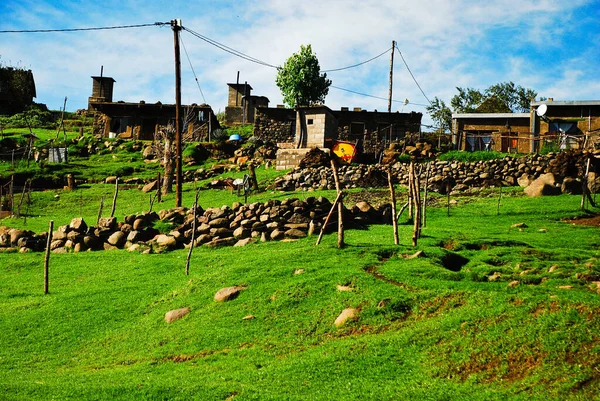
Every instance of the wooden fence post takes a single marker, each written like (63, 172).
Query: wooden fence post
(114, 204)
(339, 196)
(393, 199)
(47, 257)
(189, 256)
(100, 209)
(341, 243)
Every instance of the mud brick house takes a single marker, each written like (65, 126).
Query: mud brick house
(296, 131)
(567, 124)
(142, 120)
(17, 89)
(501, 132)
(241, 104)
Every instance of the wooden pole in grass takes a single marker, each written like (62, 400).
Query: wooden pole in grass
(328, 217)
(424, 219)
(336, 178)
(114, 204)
(499, 199)
(47, 256)
(253, 176)
(393, 200)
(585, 184)
(411, 172)
(189, 256)
(100, 209)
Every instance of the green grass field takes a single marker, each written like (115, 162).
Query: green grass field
(446, 326)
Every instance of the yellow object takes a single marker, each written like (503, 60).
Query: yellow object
(345, 151)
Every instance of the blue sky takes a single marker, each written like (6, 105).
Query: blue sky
(550, 46)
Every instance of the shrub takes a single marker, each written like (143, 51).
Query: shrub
(195, 153)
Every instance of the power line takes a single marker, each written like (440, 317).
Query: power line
(193, 72)
(229, 49)
(375, 97)
(84, 29)
(359, 64)
(411, 74)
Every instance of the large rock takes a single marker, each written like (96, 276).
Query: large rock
(541, 186)
(151, 186)
(166, 241)
(176, 314)
(78, 224)
(107, 222)
(571, 186)
(228, 293)
(347, 314)
(117, 239)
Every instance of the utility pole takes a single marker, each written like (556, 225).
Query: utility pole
(176, 25)
(391, 76)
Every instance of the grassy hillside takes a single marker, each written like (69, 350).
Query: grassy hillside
(450, 325)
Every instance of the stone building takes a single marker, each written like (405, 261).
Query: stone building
(501, 132)
(142, 120)
(296, 131)
(241, 104)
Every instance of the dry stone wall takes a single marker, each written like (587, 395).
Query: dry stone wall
(237, 225)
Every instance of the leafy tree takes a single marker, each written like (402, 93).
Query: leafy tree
(440, 114)
(300, 80)
(504, 97)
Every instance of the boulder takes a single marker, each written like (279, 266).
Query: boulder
(541, 186)
(117, 239)
(294, 233)
(228, 293)
(244, 242)
(571, 186)
(347, 314)
(176, 314)
(78, 224)
(151, 186)
(107, 222)
(166, 241)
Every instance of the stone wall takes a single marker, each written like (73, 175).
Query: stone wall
(237, 225)
(461, 176)
(275, 125)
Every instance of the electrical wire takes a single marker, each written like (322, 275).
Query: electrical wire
(229, 49)
(84, 29)
(411, 74)
(192, 67)
(359, 64)
(374, 97)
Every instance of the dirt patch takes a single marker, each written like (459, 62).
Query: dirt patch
(375, 198)
(590, 221)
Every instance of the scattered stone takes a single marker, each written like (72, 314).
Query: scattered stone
(151, 186)
(347, 314)
(565, 287)
(249, 317)
(344, 288)
(298, 272)
(228, 293)
(495, 276)
(543, 230)
(418, 254)
(176, 314)
(552, 268)
(513, 284)
(244, 242)
(519, 225)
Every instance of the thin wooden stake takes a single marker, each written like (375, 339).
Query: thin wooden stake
(585, 184)
(393, 199)
(21, 200)
(253, 177)
(114, 204)
(328, 217)
(336, 178)
(499, 199)
(189, 256)
(411, 173)
(158, 190)
(424, 219)
(47, 257)
(100, 209)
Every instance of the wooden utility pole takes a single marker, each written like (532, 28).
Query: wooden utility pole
(391, 76)
(176, 25)
(393, 200)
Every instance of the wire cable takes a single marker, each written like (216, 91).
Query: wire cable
(359, 64)
(229, 49)
(411, 74)
(84, 29)
(375, 97)
(192, 67)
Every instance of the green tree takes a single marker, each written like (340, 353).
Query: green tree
(300, 80)
(440, 114)
(503, 97)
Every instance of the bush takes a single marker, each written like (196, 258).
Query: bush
(124, 171)
(461, 156)
(195, 153)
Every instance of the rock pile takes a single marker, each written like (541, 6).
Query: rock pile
(238, 225)
(458, 176)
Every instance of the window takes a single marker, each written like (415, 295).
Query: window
(310, 121)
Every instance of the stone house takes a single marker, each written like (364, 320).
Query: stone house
(142, 120)
(241, 104)
(296, 131)
(562, 124)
